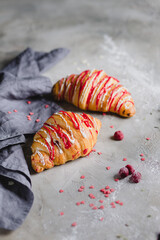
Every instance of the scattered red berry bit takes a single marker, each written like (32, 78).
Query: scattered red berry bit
(31, 113)
(112, 190)
(85, 151)
(37, 120)
(91, 196)
(80, 190)
(101, 201)
(99, 153)
(102, 190)
(101, 219)
(91, 204)
(82, 177)
(9, 112)
(107, 192)
(118, 135)
(46, 106)
(121, 203)
(116, 179)
(141, 154)
(61, 213)
(61, 190)
(103, 114)
(94, 208)
(107, 187)
(108, 168)
(142, 159)
(113, 205)
(123, 172)
(93, 150)
(136, 177)
(28, 102)
(91, 187)
(111, 126)
(29, 118)
(82, 202)
(106, 195)
(15, 110)
(124, 159)
(78, 203)
(101, 207)
(74, 224)
(82, 187)
(117, 202)
(147, 139)
(130, 168)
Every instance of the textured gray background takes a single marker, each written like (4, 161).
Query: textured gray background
(121, 37)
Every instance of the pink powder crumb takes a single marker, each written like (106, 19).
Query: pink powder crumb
(108, 168)
(101, 201)
(101, 207)
(74, 224)
(78, 203)
(82, 202)
(37, 120)
(82, 177)
(91, 196)
(61, 213)
(117, 202)
(124, 159)
(103, 114)
(101, 219)
(141, 154)
(91, 187)
(9, 112)
(102, 190)
(106, 195)
(107, 187)
(111, 126)
(93, 150)
(61, 190)
(82, 187)
(80, 190)
(107, 192)
(142, 159)
(112, 190)
(15, 110)
(121, 203)
(91, 204)
(28, 102)
(31, 113)
(46, 106)
(147, 139)
(85, 151)
(116, 179)
(94, 208)
(99, 153)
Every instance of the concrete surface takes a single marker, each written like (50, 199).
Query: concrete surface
(121, 37)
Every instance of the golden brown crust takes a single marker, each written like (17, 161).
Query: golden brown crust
(64, 136)
(95, 91)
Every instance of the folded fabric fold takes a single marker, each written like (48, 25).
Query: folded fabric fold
(25, 103)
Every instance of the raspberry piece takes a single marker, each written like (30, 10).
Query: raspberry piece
(74, 224)
(78, 203)
(111, 126)
(101, 201)
(37, 120)
(123, 172)
(9, 112)
(124, 159)
(118, 136)
(130, 168)
(31, 113)
(61, 213)
(107, 187)
(61, 190)
(136, 177)
(91, 187)
(82, 177)
(46, 106)
(15, 110)
(101, 207)
(28, 102)
(82, 202)
(108, 168)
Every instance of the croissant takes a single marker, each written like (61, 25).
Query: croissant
(64, 136)
(96, 91)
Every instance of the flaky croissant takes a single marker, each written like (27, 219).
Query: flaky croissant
(64, 136)
(96, 91)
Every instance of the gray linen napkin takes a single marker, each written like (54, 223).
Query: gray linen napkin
(25, 104)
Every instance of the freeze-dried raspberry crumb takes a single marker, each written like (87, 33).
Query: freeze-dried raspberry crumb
(91, 204)
(93, 150)
(124, 159)
(106, 195)
(82, 177)
(111, 126)
(116, 179)
(61, 213)
(130, 168)
(107, 192)
(28, 102)
(121, 203)
(142, 159)
(78, 203)
(101, 219)
(141, 154)
(91, 196)
(123, 172)
(102, 190)
(107, 187)
(101, 207)
(91, 187)
(112, 190)
(9, 112)
(99, 153)
(118, 135)
(147, 139)
(117, 201)
(31, 113)
(61, 190)
(108, 168)
(80, 190)
(74, 224)
(101, 201)
(46, 106)
(82, 187)
(136, 177)
(15, 110)
(37, 120)
(82, 202)
(94, 208)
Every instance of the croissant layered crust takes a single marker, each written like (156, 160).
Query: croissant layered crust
(64, 136)
(95, 91)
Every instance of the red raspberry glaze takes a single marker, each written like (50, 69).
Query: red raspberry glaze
(130, 168)
(118, 136)
(123, 172)
(136, 177)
